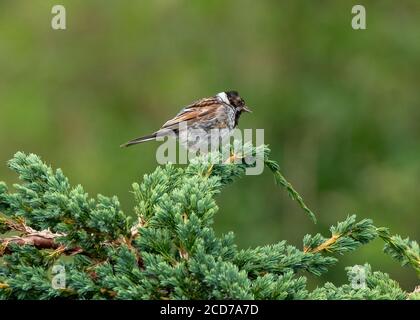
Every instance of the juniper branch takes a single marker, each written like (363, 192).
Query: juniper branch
(171, 250)
(281, 180)
(403, 250)
(346, 236)
(44, 239)
(236, 164)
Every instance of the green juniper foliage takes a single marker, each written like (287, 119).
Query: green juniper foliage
(169, 250)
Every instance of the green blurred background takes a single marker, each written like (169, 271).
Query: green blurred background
(340, 108)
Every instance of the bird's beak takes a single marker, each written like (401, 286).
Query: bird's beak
(246, 109)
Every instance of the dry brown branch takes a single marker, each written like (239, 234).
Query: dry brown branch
(46, 239)
(323, 246)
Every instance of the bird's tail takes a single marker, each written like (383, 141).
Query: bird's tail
(139, 140)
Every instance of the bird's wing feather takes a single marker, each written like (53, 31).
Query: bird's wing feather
(207, 107)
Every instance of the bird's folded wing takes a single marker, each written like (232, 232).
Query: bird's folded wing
(205, 108)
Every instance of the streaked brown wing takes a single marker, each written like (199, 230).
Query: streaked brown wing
(204, 108)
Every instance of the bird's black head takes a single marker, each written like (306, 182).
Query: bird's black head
(235, 100)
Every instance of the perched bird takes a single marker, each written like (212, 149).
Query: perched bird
(194, 125)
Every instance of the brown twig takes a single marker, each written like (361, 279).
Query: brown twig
(323, 246)
(44, 239)
(3, 285)
(17, 225)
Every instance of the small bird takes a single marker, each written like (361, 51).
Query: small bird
(195, 124)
